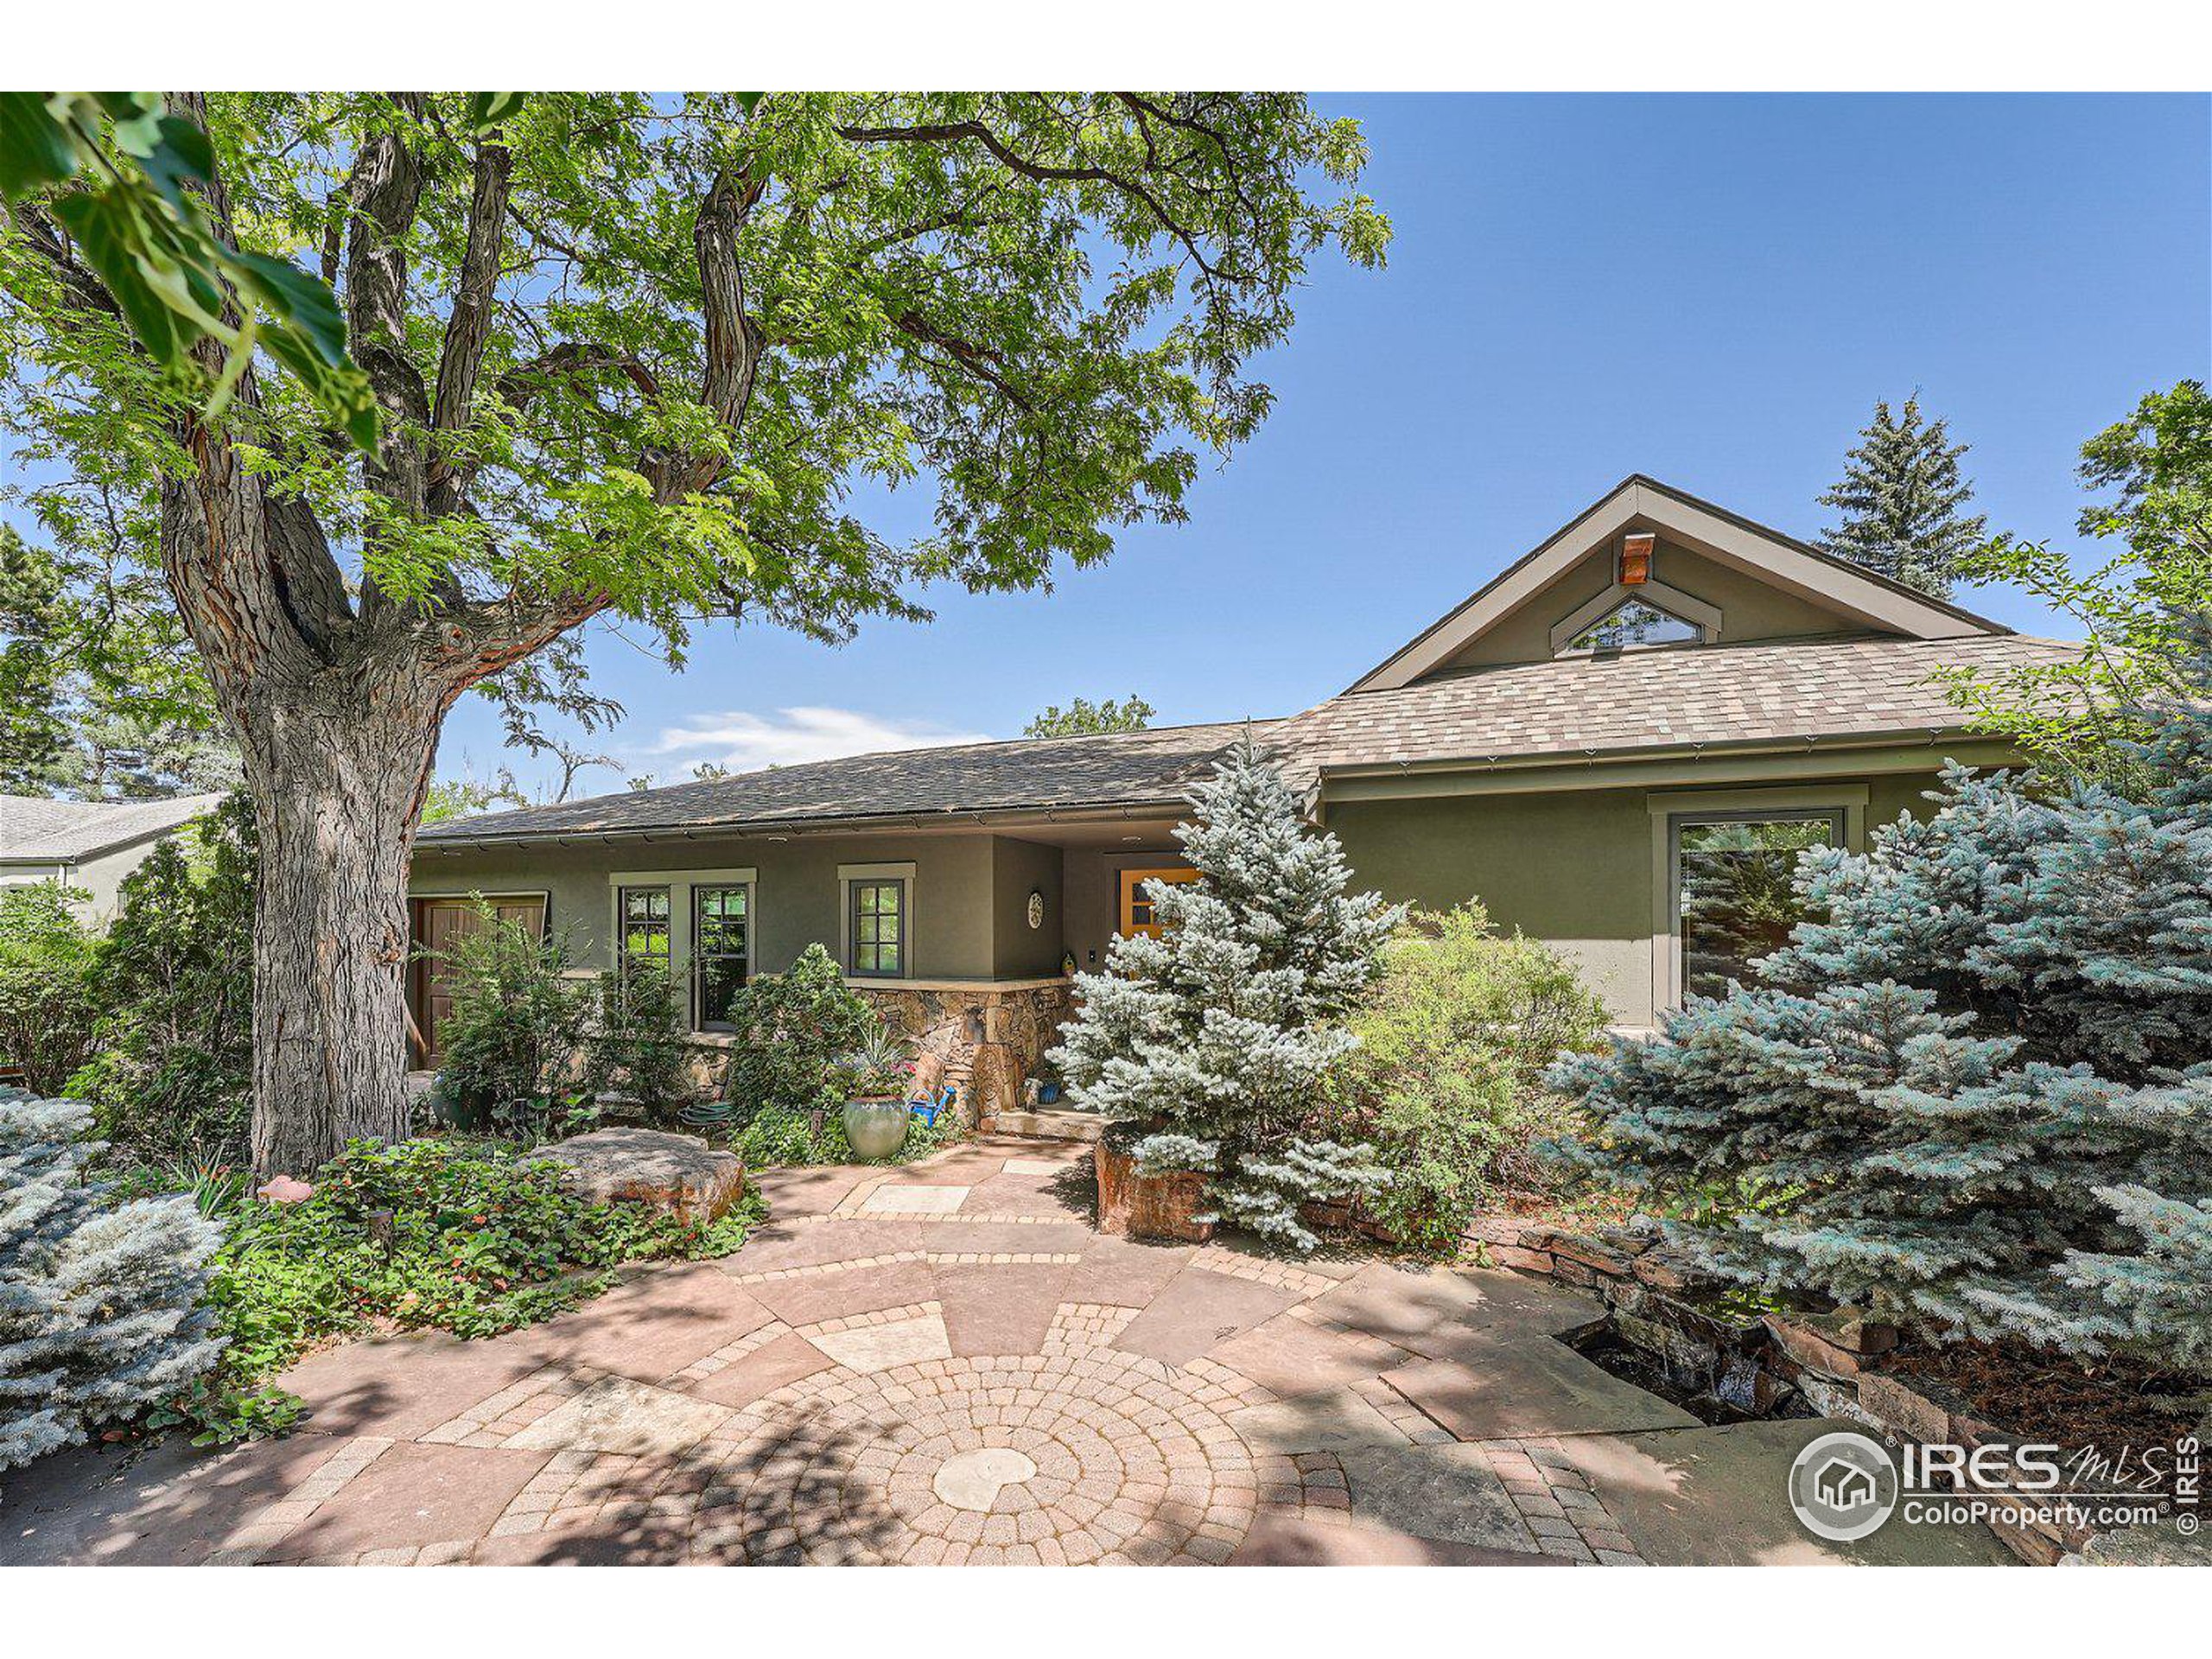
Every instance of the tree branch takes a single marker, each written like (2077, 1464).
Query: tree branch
(943, 133)
(733, 339)
(975, 359)
(468, 326)
(386, 191)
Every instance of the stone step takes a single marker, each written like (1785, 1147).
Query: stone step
(1050, 1124)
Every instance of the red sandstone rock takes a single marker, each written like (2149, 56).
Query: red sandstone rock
(1890, 1402)
(673, 1172)
(1512, 1255)
(1147, 1206)
(1810, 1349)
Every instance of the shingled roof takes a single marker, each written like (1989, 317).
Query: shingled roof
(1145, 769)
(1673, 696)
(34, 830)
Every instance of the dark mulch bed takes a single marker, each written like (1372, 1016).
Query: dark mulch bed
(2029, 1393)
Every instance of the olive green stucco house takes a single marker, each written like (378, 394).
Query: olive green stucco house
(1618, 745)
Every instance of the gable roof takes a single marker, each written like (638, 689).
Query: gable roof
(1152, 768)
(1873, 601)
(1679, 696)
(35, 830)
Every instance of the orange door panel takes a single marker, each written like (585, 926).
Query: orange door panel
(1136, 911)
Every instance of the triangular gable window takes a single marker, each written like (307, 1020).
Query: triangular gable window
(1632, 622)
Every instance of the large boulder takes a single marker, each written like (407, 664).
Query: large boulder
(680, 1172)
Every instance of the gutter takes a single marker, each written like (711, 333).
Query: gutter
(949, 819)
(1629, 765)
(1924, 736)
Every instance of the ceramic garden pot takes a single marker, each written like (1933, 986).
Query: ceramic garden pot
(876, 1126)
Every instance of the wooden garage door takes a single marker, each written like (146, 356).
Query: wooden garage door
(438, 923)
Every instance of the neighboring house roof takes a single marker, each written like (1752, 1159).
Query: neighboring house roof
(34, 830)
(1872, 601)
(1148, 768)
(1658, 697)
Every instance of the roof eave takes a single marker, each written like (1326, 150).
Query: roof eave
(1811, 742)
(951, 818)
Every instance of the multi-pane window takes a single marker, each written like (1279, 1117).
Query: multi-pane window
(1139, 913)
(878, 929)
(721, 949)
(1733, 882)
(642, 914)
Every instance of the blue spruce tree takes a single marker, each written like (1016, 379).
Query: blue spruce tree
(1207, 1047)
(1976, 1096)
(98, 1303)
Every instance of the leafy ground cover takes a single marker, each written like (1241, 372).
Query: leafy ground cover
(473, 1238)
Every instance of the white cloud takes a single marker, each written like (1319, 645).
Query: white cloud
(744, 741)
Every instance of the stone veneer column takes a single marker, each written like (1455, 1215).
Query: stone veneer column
(954, 1021)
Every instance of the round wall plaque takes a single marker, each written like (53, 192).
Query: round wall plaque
(1036, 910)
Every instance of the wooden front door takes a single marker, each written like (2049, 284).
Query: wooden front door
(1136, 915)
(438, 923)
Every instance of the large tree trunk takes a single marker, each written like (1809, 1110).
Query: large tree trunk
(334, 794)
(338, 724)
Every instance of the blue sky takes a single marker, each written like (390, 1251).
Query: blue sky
(1712, 291)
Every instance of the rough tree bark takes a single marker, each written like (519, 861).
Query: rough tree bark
(338, 726)
(338, 698)
(336, 779)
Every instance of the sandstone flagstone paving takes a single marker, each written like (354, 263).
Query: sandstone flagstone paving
(1199, 1310)
(866, 1381)
(1446, 1492)
(1713, 1495)
(1005, 1308)
(785, 1358)
(892, 1199)
(882, 1347)
(652, 1326)
(1439, 1312)
(403, 1387)
(1292, 1357)
(407, 1496)
(1316, 1422)
(1512, 1388)
(619, 1414)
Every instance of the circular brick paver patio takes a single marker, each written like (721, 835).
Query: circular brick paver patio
(942, 1363)
(1129, 1465)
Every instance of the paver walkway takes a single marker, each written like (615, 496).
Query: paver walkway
(946, 1363)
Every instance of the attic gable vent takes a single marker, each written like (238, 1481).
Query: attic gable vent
(1636, 558)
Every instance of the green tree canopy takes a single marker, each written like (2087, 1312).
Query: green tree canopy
(652, 359)
(2080, 718)
(1081, 717)
(100, 694)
